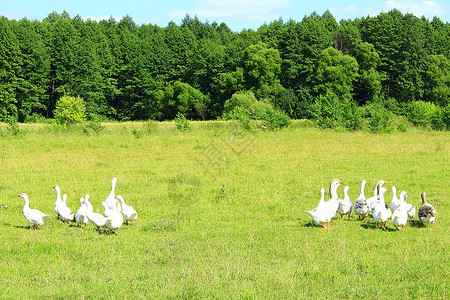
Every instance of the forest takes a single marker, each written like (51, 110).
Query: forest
(318, 68)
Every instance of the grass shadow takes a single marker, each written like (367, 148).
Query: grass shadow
(373, 226)
(416, 224)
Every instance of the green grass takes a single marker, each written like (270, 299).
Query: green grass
(221, 213)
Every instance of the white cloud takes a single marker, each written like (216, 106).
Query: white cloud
(418, 8)
(259, 10)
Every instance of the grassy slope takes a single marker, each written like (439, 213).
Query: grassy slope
(221, 214)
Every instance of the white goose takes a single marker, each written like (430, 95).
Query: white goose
(321, 216)
(427, 213)
(34, 216)
(373, 201)
(400, 214)
(114, 219)
(58, 202)
(409, 207)
(381, 213)
(81, 216)
(111, 201)
(333, 203)
(396, 202)
(361, 207)
(345, 205)
(65, 213)
(128, 212)
(95, 218)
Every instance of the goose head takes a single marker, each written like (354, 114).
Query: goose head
(379, 186)
(424, 198)
(335, 183)
(23, 195)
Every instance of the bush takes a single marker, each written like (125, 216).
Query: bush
(380, 119)
(182, 123)
(331, 112)
(422, 113)
(275, 119)
(13, 128)
(445, 116)
(36, 118)
(245, 103)
(70, 110)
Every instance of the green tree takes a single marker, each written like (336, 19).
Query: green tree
(9, 64)
(438, 80)
(262, 69)
(336, 73)
(368, 87)
(33, 71)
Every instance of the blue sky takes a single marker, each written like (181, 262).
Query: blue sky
(237, 14)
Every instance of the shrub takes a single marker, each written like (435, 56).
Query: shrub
(275, 119)
(329, 111)
(422, 113)
(245, 103)
(70, 110)
(445, 116)
(380, 119)
(402, 127)
(36, 118)
(13, 128)
(182, 123)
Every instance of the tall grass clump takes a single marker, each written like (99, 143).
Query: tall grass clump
(182, 123)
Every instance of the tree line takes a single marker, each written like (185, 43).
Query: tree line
(313, 68)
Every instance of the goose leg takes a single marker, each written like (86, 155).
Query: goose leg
(432, 225)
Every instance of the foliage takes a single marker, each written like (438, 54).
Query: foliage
(184, 99)
(70, 110)
(329, 111)
(13, 128)
(245, 103)
(124, 71)
(422, 114)
(275, 119)
(380, 119)
(182, 123)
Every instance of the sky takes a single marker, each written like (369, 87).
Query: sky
(237, 14)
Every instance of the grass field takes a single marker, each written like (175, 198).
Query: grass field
(221, 214)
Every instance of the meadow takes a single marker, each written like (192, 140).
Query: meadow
(221, 213)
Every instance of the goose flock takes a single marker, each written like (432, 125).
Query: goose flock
(399, 210)
(115, 212)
